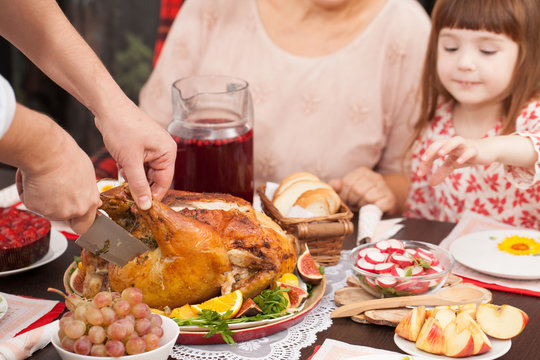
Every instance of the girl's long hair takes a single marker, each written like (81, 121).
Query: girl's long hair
(517, 19)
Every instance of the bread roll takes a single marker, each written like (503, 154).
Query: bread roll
(288, 197)
(292, 178)
(308, 191)
(321, 202)
(315, 201)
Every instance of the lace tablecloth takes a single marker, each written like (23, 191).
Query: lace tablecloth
(283, 345)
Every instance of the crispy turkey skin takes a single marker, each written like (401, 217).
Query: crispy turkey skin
(205, 245)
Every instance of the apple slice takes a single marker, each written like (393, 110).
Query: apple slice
(433, 311)
(458, 342)
(409, 327)
(444, 316)
(468, 308)
(501, 321)
(481, 341)
(431, 337)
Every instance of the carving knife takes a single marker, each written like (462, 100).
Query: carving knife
(110, 241)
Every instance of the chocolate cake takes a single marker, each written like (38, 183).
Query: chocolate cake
(24, 238)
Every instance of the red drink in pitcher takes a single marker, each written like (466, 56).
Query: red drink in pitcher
(223, 165)
(213, 128)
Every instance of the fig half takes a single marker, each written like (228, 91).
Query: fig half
(308, 269)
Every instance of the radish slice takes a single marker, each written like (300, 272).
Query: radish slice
(426, 258)
(375, 257)
(405, 285)
(362, 253)
(419, 288)
(384, 268)
(414, 270)
(434, 262)
(410, 252)
(396, 271)
(382, 245)
(433, 270)
(371, 282)
(425, 252)
(364, 265)
(396, 246)
(401, 260)
(386, 282)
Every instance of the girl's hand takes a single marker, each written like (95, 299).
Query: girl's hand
(457, 152)
(364, 186)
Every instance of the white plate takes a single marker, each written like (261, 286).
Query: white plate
(479, 251)
(498, 349)
(57, 246)
(3, 306)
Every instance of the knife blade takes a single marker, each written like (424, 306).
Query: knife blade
(110, 241)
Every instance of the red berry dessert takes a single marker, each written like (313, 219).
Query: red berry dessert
(24, 238)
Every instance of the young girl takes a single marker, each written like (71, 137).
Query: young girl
(478, 138)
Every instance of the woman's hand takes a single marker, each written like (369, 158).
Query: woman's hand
(364, 186)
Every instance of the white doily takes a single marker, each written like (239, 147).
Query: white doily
(283, 345)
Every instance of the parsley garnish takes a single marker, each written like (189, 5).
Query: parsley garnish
(272, 301)
(219, 324)
(211, 320)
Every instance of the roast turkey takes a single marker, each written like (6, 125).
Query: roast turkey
(204, 245)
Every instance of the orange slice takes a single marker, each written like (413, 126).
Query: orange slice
(289, 279)
(183, 312)
(222, 304)
(157, 311)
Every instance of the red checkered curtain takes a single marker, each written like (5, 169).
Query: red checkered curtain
(167, 13)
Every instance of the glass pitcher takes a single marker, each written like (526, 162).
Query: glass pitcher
(213, 128)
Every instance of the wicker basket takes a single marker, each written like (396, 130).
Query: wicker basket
(323, 235)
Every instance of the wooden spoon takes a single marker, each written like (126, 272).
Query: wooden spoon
(449, 296)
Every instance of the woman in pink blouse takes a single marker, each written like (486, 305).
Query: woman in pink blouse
(333, 82)
(479, 130)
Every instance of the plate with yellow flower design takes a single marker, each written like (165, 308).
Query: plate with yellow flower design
(512, 254)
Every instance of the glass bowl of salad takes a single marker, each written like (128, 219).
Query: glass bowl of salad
(394, 267)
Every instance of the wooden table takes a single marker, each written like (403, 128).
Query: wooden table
(526, 346)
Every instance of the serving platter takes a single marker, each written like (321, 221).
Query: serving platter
(498, 349)
(480, 251)
(255, 332)
(241, 331)
(57, 245)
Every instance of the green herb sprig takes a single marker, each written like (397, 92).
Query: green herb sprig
(272, 301)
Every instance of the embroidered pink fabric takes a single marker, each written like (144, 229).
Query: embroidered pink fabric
(506, 194)
(328, 115)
